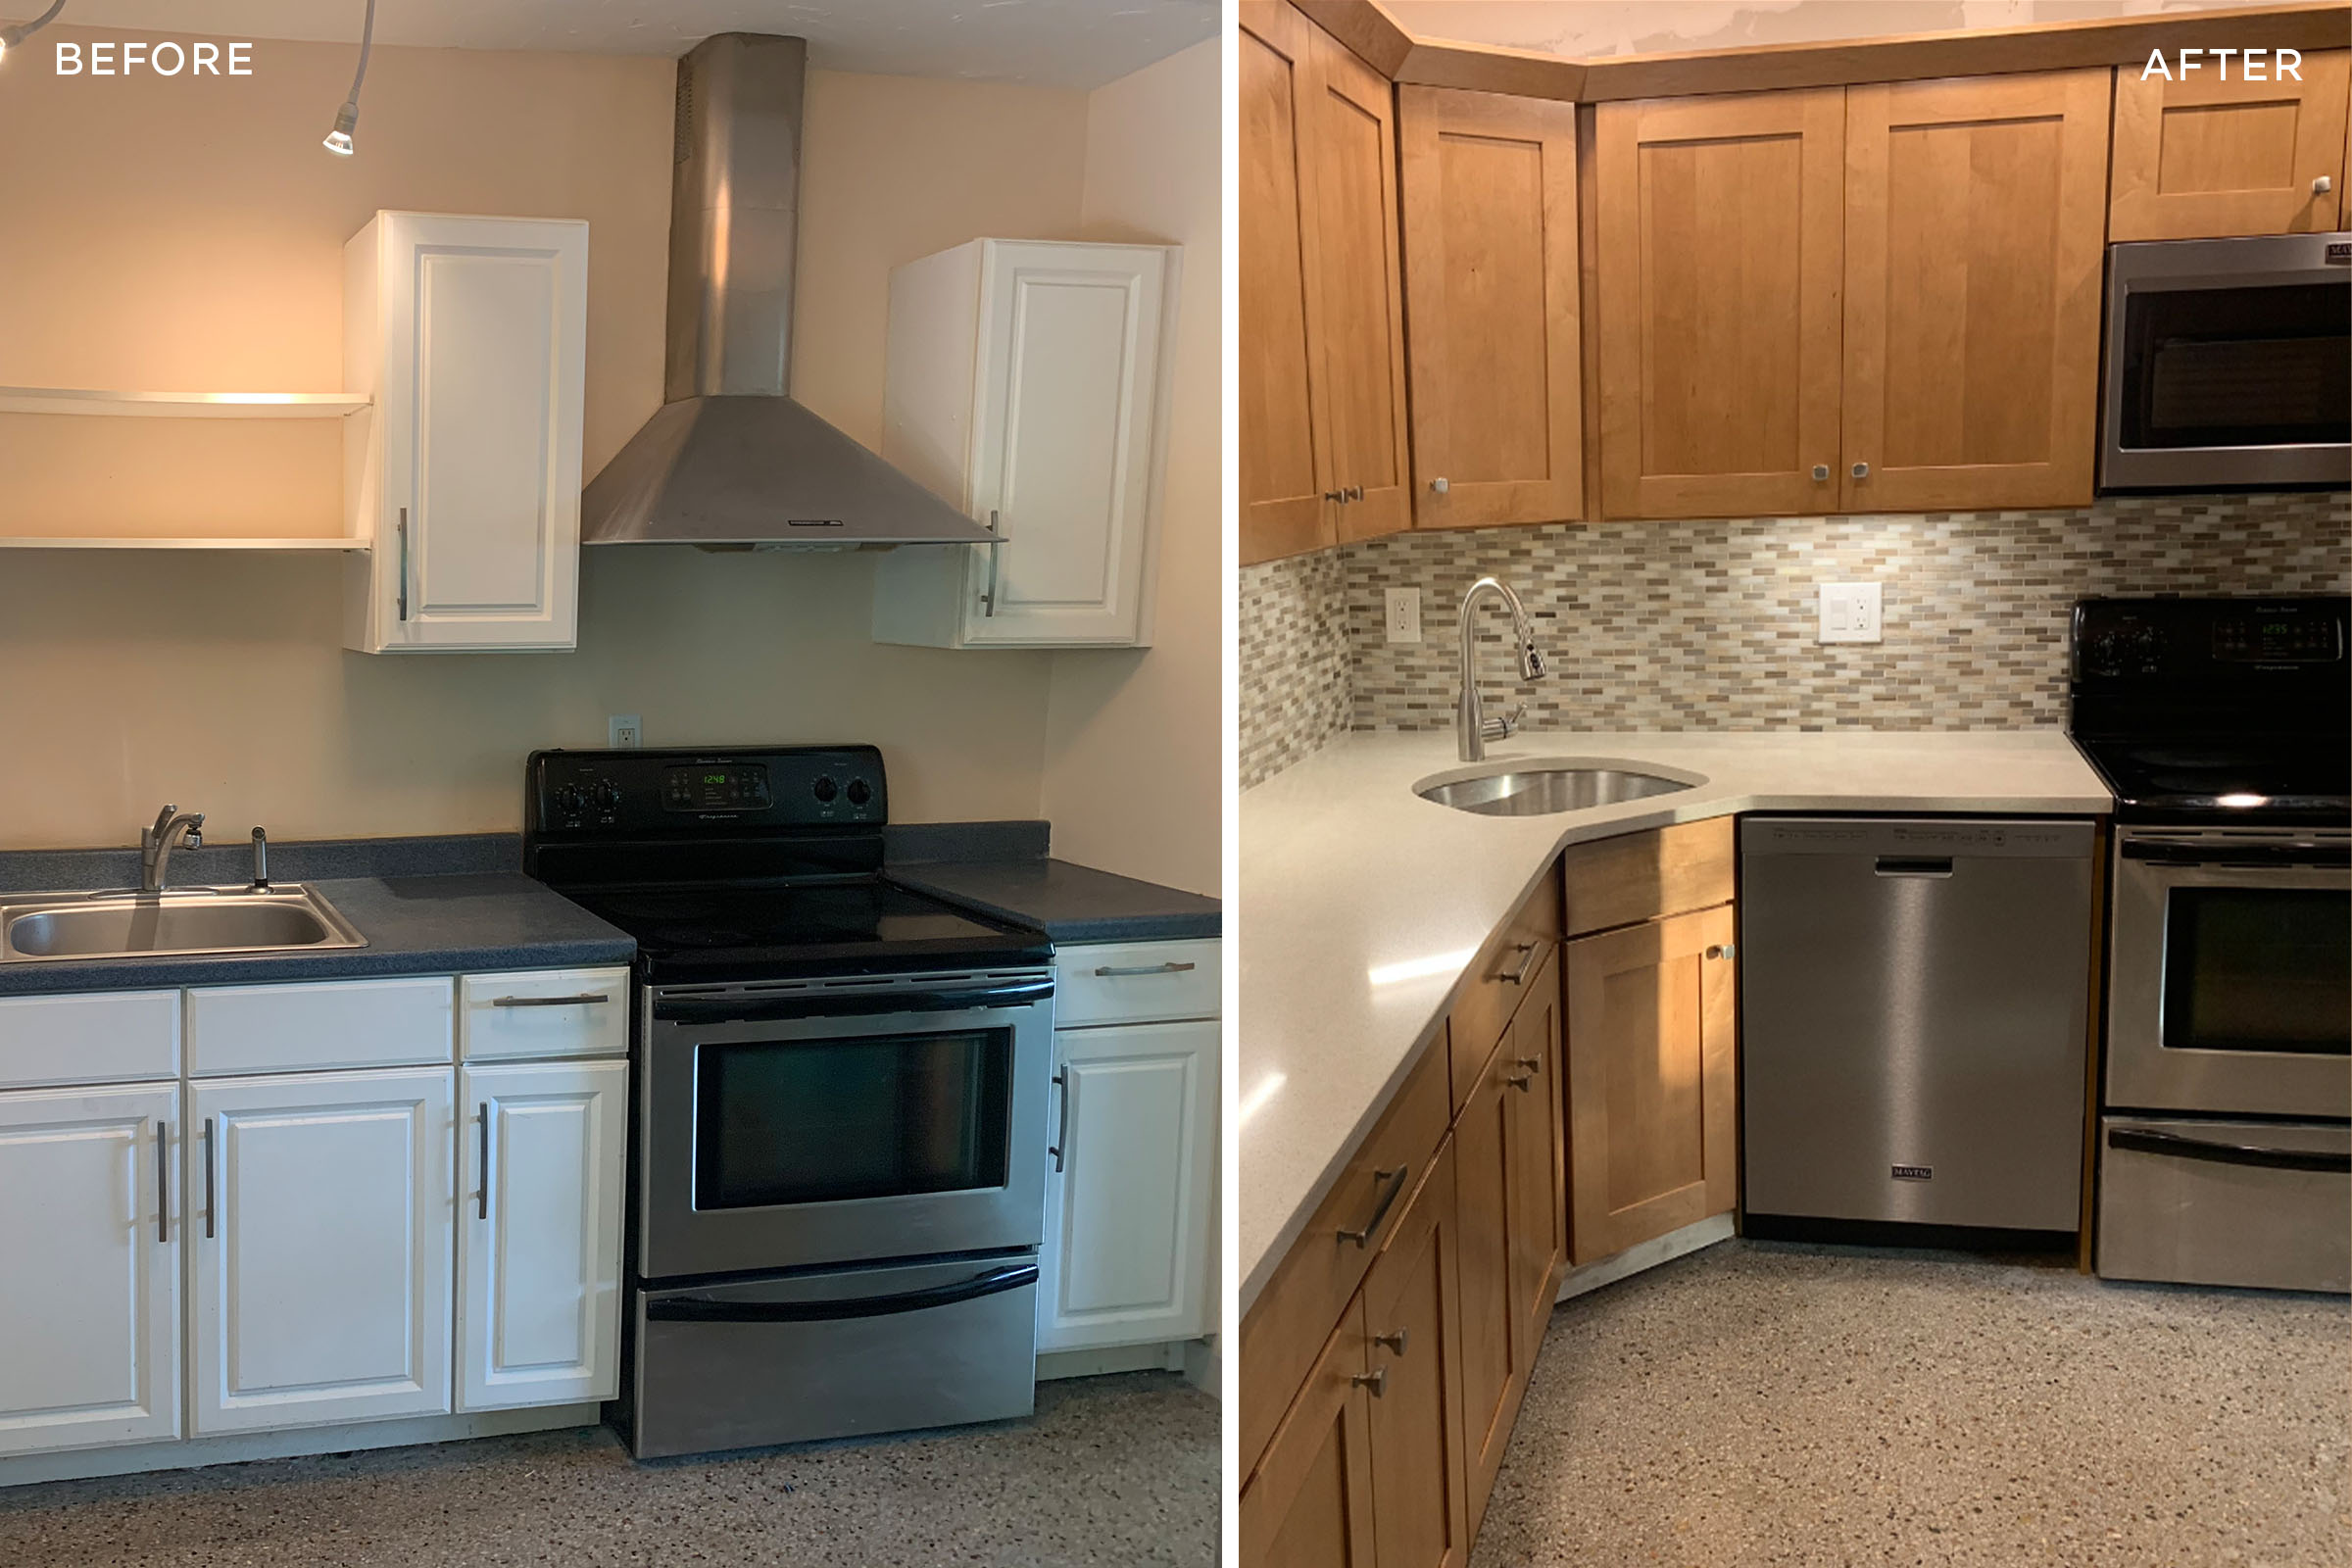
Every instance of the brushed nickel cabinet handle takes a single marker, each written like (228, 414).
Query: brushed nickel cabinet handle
(988, 599)
(1377, 1381)
(1112, 971)
(585, 998)
(1440, 486)
(404, 562)
(1527, 961)
(1821, 471)
(1861, 471)
(2323, 185)
(1394, 1181)
(1520, 1081)
(210, 1191)
(1723, 949)
(483, 1204)
(1062, 1127)
(1354, 492)
(1394, 1342)
(163, 1180)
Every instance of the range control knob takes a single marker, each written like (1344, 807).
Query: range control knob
(860, 792)
(607, 796)
(825, 789)
(570, 797)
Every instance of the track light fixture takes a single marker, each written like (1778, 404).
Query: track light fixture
(11, 36)
(347, 119)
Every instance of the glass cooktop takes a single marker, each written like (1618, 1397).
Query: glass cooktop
(851, 925)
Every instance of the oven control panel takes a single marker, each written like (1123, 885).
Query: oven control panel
(620, 793)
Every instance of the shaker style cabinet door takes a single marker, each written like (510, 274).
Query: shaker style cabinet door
(89, 1296)
(1718, 255)
(1974, 234)
(539, 1217)
(319, 1211)
(1491, 299)
(1539, 1176)
(2204, 157)
(1412, 1324)
(1125, 1258)
(1653, 1135)
(1310, 1505)
(1285, 412)
(471, 334)
(1497, 1355)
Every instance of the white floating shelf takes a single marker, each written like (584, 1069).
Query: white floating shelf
(182, 405)
(27, 543)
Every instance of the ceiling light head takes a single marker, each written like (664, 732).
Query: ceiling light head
(338, 140)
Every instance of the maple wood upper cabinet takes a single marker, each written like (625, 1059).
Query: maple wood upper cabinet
(2207, 158)
(1975, 219)
(1322, 328)
(1491, 293)
(1719, 257)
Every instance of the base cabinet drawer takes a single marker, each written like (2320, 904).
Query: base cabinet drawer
(2222, 1203)
(543, 1012)
(309, 1028)
(96, 1036)
(89, 1296)
(1136, 982)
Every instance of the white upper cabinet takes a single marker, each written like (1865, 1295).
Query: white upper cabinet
(471, 333)
(1026, 385)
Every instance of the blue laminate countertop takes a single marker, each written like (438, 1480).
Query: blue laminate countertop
(442, 924)
(1071, 904)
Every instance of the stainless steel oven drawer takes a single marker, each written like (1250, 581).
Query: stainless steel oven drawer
(835, 1354)
(2226, 1203)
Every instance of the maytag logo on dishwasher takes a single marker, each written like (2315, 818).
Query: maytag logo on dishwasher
(131, 55)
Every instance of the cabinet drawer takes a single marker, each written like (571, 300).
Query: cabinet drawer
(1288, 1324)
(1135, 982)
(544, 1012)
(1499, 980)
(96, 1038)
(340, 1023)
(1644, 876)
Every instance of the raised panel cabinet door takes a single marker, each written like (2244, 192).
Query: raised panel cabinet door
(1539, 1191)
(1973, 233)
(89, 1298)
(1127, 1203)
(1653, 1135)
(1413, 1327)
(1717, 240)
(1496, 1355)
(1492, 351)
(1067, 423)
(2208, 158)
(319, 1213)
(483, 367)
(1309, 1504)
(539, 1214)
(1285, 415)
(1358, 333)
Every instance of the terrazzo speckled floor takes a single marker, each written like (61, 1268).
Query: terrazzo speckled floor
(1110, 1470)
(1758, 1403)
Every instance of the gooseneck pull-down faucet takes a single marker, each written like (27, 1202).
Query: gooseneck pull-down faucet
(172, 827)
(1472, 729)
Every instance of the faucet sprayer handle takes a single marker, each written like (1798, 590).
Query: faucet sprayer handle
(1531, 663)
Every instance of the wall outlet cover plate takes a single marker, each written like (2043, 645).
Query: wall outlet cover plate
(1403, 619)
(1851, 613)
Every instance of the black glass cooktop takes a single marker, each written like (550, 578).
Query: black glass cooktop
(849, 926)
(2241, 779)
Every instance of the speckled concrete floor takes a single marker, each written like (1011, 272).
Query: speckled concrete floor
(1759, 1403)
(1110, 1470)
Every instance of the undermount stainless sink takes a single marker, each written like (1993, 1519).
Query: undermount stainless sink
(188, 922)
(1538, 788)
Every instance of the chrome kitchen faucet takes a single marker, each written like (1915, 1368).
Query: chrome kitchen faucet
(172, 828)
(1472, 729)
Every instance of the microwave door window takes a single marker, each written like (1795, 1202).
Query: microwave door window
(2237, 366)
(813, 1122)
(2255, 970)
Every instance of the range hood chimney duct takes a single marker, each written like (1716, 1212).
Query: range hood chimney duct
(730, 459)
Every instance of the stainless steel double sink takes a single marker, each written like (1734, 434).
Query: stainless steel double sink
(185, 923)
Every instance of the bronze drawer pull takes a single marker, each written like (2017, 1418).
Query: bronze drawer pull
(584, 999)
(1395, 1181)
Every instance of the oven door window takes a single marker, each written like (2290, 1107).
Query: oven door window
(815, 1121)
(2256, 969)
(2237, 366)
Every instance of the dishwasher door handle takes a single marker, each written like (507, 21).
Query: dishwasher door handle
(1914, 865)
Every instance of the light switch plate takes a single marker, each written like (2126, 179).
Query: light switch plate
(1405, 615)
(622, 732)
(1850, 612)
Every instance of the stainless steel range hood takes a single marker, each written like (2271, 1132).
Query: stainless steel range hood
(731, 459)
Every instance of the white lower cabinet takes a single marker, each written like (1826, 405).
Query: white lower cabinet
(89, 1298)
(1129, 1208)
(539, 1232)
(320, 1215)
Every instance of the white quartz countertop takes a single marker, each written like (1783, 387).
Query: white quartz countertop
(1362, 904)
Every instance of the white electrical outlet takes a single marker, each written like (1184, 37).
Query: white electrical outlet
(622, 732)
(1850, 612)
(1405, 615)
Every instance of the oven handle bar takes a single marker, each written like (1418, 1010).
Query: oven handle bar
(2323, 856)
(840, 1005)
(2148, 1141)
(705, 1309)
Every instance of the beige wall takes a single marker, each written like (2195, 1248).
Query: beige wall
(170, 234)
(1133, 761)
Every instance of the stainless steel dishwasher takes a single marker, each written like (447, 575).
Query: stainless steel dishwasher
(1914, 1012)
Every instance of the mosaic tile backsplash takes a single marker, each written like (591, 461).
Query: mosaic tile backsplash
(1710, 624)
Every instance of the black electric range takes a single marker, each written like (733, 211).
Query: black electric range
(747, 863)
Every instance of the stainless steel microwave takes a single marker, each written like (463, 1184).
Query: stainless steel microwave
(2228, 363)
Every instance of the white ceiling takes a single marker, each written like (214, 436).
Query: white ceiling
(1055, 43)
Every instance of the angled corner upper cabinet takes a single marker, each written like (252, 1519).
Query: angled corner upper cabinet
(1490, 286)
(2204, 157)
(471, 333)
(1026, 383)
(1719, 258)
(1322, 313)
